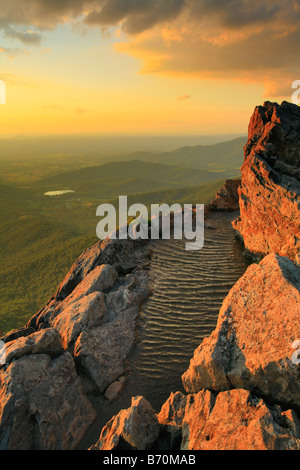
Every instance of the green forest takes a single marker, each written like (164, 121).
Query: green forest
(41, 236)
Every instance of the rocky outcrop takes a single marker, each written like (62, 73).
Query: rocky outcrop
(76, 345)
(269, 196)
(231, 420)
(236, 420)
(42, 403)
(251, 346)
(243, 381)
(227, 198)
(136, 428)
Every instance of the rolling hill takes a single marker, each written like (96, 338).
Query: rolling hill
(130, 176)
(28, 161)
(37, 247)
(223, 157)
(40, 236)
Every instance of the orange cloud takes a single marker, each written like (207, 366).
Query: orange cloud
(183, 97)
(210, 50)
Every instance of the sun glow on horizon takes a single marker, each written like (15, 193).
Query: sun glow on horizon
(75, 77)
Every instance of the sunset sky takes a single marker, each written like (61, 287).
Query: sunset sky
(144, 66)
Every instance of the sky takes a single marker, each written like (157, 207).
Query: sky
(144, 66)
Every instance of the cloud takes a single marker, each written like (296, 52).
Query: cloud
(44, 14)
(12, 52)
(26, 37)
(26, 21)
(247, 40)
(183, 97)
(136, 15)
(238, 13)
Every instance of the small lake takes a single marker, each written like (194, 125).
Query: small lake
(58, 193)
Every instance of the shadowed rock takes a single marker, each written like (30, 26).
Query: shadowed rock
(42, 404)
(114, 389)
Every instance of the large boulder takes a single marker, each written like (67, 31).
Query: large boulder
(269, 196)
(252, 345)
(99, 279)
(135, 428)
(40, 342)
(42, 405)
(101, 351)
(108, 251)
(78, 316)
(170, 419)
(96, 269)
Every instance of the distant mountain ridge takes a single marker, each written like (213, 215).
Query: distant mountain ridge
(102, 147)
(32, 160)
(223, 156)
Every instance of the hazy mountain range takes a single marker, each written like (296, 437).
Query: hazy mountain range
(41, 236)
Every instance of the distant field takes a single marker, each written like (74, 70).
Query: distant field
(42, 236)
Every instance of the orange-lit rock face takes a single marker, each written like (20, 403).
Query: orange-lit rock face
(172, 411)
(234, 420)
(269, 196)
(251, 346)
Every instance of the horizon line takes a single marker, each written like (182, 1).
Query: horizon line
(116, 134)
